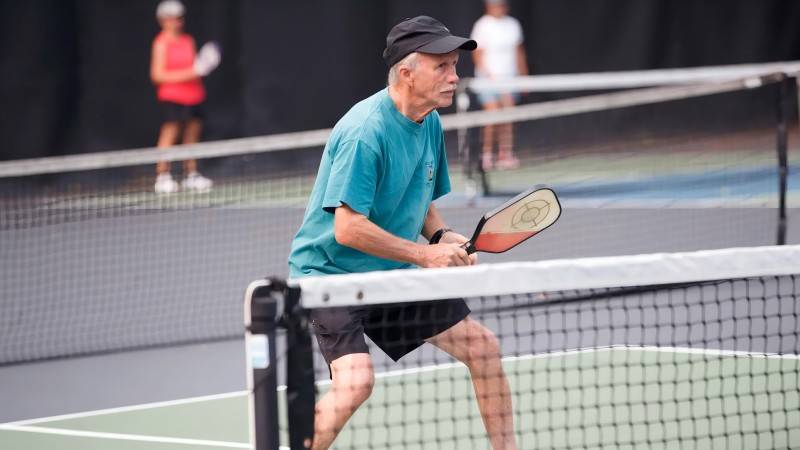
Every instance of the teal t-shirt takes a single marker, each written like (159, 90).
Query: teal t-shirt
(382, 165)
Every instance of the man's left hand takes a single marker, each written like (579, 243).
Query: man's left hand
(451, 237)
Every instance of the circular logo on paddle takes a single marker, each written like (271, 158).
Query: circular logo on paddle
(531, 215)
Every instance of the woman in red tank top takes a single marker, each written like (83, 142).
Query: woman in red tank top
(180, 93)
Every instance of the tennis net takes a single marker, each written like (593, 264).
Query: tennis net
(93, 260)
(666, 167)
(677, 146)
(697, 350)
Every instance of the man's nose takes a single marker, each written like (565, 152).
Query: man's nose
(453, 77)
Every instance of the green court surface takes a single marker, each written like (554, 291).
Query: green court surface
(610, 398)
(201, 423)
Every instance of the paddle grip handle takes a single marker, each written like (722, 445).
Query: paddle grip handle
(469, 247)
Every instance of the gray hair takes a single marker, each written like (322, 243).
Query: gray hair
(410, 62)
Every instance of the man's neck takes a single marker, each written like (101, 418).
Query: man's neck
(406, 104)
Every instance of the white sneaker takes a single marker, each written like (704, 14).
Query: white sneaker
(197, 183)
(165, 184)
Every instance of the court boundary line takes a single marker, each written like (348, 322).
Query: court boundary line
(123, 409)
(407, 371)
(576, 351)
(122, 436)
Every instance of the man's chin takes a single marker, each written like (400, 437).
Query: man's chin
(445, 101)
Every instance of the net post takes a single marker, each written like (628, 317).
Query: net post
(300, 387)
(261, 315)
(783, 112)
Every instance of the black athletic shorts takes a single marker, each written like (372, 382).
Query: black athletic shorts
(175, 112)
(396, 328)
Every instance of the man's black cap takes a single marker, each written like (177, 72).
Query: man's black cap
(422, 34)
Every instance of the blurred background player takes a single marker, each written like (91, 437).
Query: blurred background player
(176, 70)
(500, 55)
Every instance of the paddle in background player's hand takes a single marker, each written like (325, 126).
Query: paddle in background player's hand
(207, 59)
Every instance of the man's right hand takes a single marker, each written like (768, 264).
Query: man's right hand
(444, 255)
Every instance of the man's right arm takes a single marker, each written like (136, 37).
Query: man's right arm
(355, 230)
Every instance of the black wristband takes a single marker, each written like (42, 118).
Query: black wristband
(437, 236)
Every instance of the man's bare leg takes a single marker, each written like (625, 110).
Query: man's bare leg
(476, 346)
(505, 139)
(352, 380)
(489, 133)
(191, 135)
(167, 137)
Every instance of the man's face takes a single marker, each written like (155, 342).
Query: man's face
(435, 78)
(497, 9)
(174, 24)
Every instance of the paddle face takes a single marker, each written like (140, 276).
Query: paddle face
(515, 221)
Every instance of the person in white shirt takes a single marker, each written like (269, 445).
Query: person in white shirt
(500, 54)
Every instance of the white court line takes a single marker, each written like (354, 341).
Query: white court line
(709, 351)
(123, 409)
(417, 370)
(123, 437)
(577, 351)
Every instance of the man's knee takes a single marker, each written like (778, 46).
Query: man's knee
(170, 127)
(353, 377)
(484, 346)
(357, 390)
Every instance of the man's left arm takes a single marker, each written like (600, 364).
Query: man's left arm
(435, 222)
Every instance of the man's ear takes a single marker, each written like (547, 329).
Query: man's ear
(407, 75)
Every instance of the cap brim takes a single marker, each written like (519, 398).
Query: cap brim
(447, 44)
